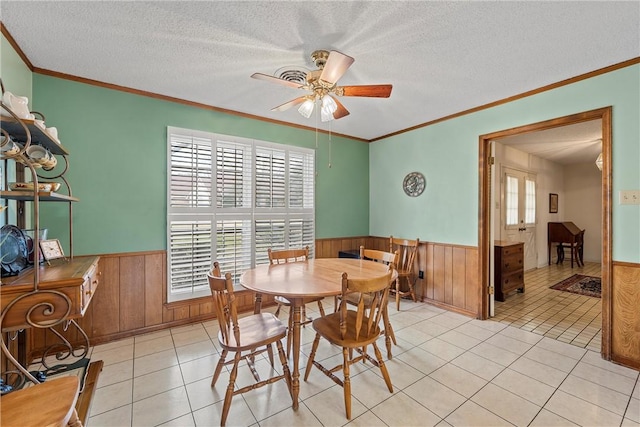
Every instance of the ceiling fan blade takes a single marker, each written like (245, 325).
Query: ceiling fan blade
(337, 64)
(376, 91)
(290, 104)
(341, 111)
(272, 79)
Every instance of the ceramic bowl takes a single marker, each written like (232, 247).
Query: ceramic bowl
(28, 186)
(8, 147)
(55, 186)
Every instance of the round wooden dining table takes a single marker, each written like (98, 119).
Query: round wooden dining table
(320, 277)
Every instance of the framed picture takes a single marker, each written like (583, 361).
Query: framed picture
(553, 203)
(51, 249)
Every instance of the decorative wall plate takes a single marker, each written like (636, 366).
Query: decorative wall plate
(13, 250)
(414, 184)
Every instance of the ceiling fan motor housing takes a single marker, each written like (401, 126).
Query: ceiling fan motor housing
(323, 85)
(319, 58)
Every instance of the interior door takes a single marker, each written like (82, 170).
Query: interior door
(519, 212)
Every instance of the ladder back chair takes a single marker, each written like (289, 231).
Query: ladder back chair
(246, 337)
(391, 259)
(407, 253)
(353, 330)
(285, 256)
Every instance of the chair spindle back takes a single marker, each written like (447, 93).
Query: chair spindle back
(372, 297)
(284, 256)
(407, 250)
(380, 256)
(225, 305)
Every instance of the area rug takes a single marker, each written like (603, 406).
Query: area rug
(580, 284)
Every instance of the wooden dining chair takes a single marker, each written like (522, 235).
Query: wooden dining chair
(391, 259)
(246, 337)
(353, 330)
(407, 252)
(285, 256)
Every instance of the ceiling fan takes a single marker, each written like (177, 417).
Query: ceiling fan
(323, 86)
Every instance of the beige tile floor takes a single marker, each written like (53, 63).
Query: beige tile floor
(447, 370)
(564, 316)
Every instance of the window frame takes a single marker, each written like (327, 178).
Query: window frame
(297, 165)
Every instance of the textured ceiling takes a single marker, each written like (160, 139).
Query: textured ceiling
(441, 57)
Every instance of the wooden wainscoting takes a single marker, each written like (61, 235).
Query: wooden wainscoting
(625, 314)
(451, 272)
(131, 300)
(329, 248)
(131, 297)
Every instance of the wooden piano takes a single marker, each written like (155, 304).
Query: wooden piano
(567, 235)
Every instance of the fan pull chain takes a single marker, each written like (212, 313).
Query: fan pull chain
(316, 156)
(330, 128)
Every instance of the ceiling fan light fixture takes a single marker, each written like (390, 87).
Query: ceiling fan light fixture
(329, 104)
(306, 108)
(323, 85)
(329, 107)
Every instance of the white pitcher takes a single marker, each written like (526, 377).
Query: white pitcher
(18, 104)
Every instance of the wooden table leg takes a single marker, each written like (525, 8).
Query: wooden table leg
(572, 247)
(295, 380)
(257, 305)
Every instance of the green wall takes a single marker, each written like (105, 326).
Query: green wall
(16, 76)
(447, 154)
(118, 162)
(118, 165)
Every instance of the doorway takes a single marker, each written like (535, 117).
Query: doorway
(518, 212)
(485, 227)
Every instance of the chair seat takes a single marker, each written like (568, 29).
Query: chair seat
(257, 330)
(329, 327)
(284, 301)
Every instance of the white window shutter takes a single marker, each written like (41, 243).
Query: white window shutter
(264, 198)
(190, 172)
(270, 178)
(190, 254)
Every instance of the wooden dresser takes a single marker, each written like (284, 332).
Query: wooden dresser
(508, 268)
